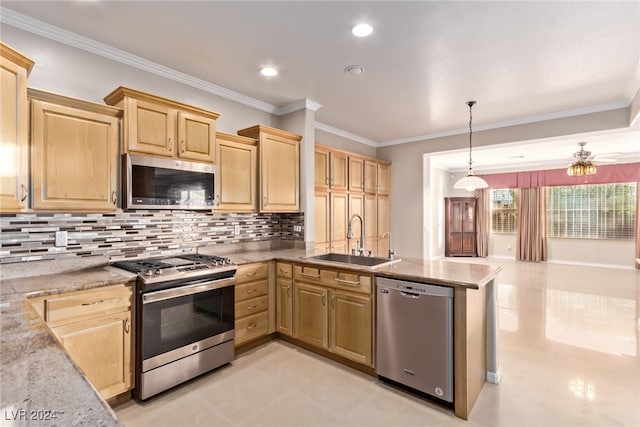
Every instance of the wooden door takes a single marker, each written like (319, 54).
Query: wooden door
(321, 171)
(356, 174)
(460, 234)
(383, 225)
(339, 221)
(279, 174)
(237, 175)
(196, 137)
(351, 327)
(311, 318)
(321, 222)
(371, 223)
(74, 158)
(151, 128)
(14, 132)
(383, 179)
(284, 304)
(101, 347)
(356, 206)
(370, 176)
(339, 170)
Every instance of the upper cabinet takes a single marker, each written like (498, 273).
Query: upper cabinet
(279, 168)
(383, 178)
(356, 174)
(236, 179)
(331, 169)
(162, 127)
(14, 129)
(74, 153)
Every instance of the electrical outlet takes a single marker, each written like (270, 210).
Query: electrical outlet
(236, 229)
(61, 239)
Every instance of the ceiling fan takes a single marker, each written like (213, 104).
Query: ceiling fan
(582, 163)
(585, 155)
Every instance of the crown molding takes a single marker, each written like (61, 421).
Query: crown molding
(343, 133)
(303, 104)
(26, 23)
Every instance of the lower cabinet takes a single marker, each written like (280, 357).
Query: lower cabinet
(251, 302)
(95, 329)
(333, 310)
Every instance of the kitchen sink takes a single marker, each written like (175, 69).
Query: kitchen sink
(366, 261)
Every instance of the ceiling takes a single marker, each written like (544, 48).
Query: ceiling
(424, 60)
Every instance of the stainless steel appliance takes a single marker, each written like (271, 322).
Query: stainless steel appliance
(414, 338)
(159, 183)
(184, 319)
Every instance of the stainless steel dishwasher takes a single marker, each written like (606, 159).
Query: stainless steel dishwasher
(414, 338)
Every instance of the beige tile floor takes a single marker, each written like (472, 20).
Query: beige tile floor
(569, 345)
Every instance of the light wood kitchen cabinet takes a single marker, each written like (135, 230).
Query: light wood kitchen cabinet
(237, 175)
(383, 221)
(356, 174)
(14, 130)
(339, 210)
(321, 168)
(279, 168)
(321, 224)
(371, 223)
(74, 157)
(162, 127)
(356, 206)
(251, 302)
(96, 330)
(331, 169)
(370, 176)
(284, 302)
(383, 183)
(333, 311)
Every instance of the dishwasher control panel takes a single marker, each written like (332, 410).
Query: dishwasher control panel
(384, 284)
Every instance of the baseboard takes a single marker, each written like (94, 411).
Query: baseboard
(494, 377)
(591, 264)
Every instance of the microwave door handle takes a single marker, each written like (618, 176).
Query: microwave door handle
(186, 290)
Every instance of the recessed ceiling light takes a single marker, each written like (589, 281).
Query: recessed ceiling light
(362, 30)
(268, 71)
(354, 69)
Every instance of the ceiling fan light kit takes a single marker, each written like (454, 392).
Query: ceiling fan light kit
(581, 165)
(470, 182)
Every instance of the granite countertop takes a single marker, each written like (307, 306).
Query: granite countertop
(38, 378)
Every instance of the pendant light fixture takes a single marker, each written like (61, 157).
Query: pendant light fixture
(470, 182)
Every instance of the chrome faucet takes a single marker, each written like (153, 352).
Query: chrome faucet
(350, 233)
(391, 251)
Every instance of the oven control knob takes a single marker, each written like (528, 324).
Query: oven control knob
(158, 272)
(148, 273)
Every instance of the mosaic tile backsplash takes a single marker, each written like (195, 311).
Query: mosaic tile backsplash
(137, 234)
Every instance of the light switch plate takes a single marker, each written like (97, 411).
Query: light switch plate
(61, 239)
(236, 229)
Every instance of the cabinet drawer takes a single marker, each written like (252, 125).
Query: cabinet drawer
(251, 272)
(307, 274)
(251, 290)
(252, 306)
(251, 327)
(346, 280)
(83, 304)
(284, 270)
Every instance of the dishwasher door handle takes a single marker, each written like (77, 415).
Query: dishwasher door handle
(409, 294)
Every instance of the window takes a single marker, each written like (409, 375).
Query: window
(503, 210)
(600, 211)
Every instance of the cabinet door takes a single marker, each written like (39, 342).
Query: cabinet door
(14, 142)
(236, 180)
(279, 174)
(101, 347)
(339, 222)
(351, 327)
(321, 222)
(371, 223)
(74, 158)
(383, 179)
(284, 304)
(339, 167)
(321, 171)
(356, 174)
(196, 137)
(311, 318)
(383, 225)
(370, 176)
(151, 128)
(356, 206)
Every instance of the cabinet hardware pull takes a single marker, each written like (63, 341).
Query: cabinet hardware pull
(333, 302)
(93, 303)
(311, 276)
(182, 145)
(170, 144)
(283, 271)
(289, 290)
(264, 201)
(253, 326)
(324, 299)
(250, 291)
(347, 282)
(127, 326)
(114, 197)
(252, 273)
(251, 307)
(25, 193)
(326, 180)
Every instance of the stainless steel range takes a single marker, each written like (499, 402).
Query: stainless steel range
(184, 318)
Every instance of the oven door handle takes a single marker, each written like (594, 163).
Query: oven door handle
(182, 291)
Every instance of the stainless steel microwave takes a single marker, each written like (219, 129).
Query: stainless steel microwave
(158, 183)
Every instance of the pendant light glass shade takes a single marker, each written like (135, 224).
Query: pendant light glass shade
(470, 182)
